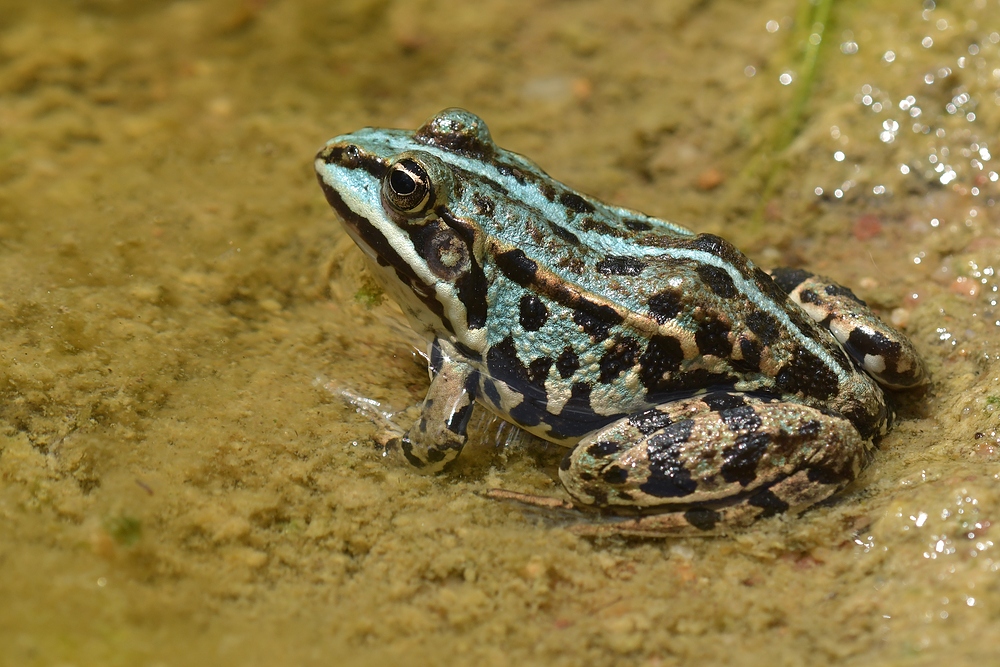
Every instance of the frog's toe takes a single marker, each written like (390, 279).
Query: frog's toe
(546, 502)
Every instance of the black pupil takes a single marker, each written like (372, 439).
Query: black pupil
(402, 183)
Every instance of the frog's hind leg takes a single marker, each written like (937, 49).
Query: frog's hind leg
(797, 491)
(708, 462)
(883, 352)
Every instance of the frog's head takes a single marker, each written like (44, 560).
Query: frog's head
(392, 190)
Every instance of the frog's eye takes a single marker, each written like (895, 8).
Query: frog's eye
(407, 187)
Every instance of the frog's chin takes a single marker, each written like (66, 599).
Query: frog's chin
(370, 254)
(421, 320)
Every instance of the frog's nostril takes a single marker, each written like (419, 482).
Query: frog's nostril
(349, 155)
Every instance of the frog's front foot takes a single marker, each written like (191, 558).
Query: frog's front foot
(440, 432)
(390, 441)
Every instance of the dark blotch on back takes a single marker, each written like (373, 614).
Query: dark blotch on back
(564, 234)
(620, 265)
(547, 190)
(637, 225)
(663, 355)
(769, 287)
(723, 249)
(517, 266)
(712, 337)
(575, 203)
(533, 313)
(619, 358)
(589, 224)
(594, 325)
(596, 319)
(567, 363)
(718, 280)
(806, 374)
(750, 363)
(764, 326)
(665, 305)
(513, 172)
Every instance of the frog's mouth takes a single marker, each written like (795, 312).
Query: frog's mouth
(378, 248)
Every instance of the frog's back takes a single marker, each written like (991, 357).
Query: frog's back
(671, 314)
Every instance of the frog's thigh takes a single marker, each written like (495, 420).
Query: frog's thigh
(713, 450)
(884, 353)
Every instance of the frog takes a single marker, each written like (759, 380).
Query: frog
(693, 390)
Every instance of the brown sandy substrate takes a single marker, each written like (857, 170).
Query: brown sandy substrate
(179, 487)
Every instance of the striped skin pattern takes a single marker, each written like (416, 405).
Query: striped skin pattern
(695, 390)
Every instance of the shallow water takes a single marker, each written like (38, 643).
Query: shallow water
(180, 482)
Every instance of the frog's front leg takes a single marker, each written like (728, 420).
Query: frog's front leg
(719, 458)
(883, 352)
(441, 431)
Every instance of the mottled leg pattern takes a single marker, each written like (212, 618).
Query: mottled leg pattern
(440, 433)
(883, 352)
(708, 448)
(795, 492)
(717, 460)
